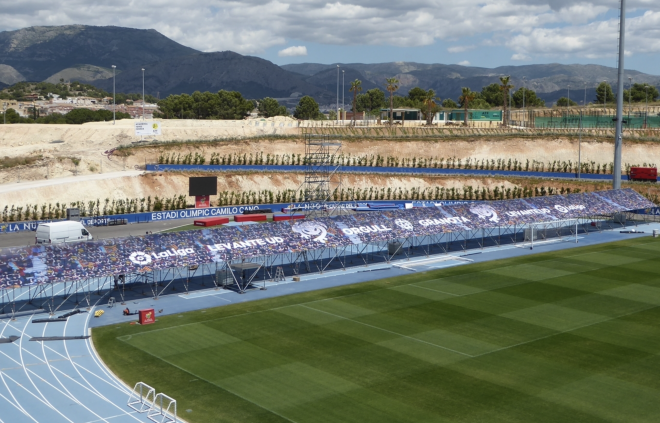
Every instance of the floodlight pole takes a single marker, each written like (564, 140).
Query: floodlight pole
(343, 89)
(142, 93)
(579, 175)
(580, 138)
(523, 116)
(646, 113)
(568, 100)
(618, 137)
(114, 101)
(629, 95)
(337, 94)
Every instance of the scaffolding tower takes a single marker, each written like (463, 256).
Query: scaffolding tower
(322, 177)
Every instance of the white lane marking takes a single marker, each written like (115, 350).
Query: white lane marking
(91, 388)
(51, 368)
(2, 375)
(27, 371)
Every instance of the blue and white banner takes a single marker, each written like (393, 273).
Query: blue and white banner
(79, 261)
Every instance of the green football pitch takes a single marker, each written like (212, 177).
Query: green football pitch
(568, 336)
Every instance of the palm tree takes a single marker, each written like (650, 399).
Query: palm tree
(429, 101)
(392, 84)
(466, 97)
(505, 87)
(356, 86)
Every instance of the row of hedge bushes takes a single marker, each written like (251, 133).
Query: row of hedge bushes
(13, 213)
(512, 164)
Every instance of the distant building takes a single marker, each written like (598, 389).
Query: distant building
(9, 104)
(79, 101)
(358, 116)
(458, 115)
(401, 114)
(60, 108)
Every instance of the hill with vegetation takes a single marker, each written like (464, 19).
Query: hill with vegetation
(86, 54)
(39, 52)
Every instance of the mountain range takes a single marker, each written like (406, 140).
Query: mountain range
(87, 53)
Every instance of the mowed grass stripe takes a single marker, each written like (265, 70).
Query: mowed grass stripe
(517, 344)
(389, 331)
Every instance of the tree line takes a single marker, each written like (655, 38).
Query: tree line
(232, 105)
(472, 163)
(21, 90)
(74, 117)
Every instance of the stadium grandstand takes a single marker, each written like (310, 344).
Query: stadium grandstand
(241, 256)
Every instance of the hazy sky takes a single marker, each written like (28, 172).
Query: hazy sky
(484, 33)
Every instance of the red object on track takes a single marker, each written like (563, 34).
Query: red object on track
(147, 316)
(280, 217)
(211, 221)
(250, 218)
(644, 174)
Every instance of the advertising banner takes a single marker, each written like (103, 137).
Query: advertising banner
(147, 317)
(202, 201)
(147, 128)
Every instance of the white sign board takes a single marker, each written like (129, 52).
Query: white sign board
(147, 128)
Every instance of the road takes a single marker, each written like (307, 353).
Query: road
(20, 186)
(22, 238)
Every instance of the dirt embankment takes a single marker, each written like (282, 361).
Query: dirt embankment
(65, 150)
(170, 184)
(26, 139)
(70, 162)
(544, 149)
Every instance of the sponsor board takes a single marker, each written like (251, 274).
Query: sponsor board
(458, 220)
(142, 259)
(206, 212)
(566, 209)
(147, 128)
(236, 245)
(202, 201)
(652, 211)
(366, 229)
(527, 212)
(484, 211)
(147, 316)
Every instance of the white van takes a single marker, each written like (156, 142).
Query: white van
(59, 232)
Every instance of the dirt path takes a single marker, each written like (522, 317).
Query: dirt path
(63, 184)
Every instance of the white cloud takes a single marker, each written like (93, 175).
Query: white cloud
(464, 63)
(520, 56)
(461, 49)
(593, 40)
(527, 27)
(293, 51)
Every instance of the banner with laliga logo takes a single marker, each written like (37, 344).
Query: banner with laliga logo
(59, 263)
